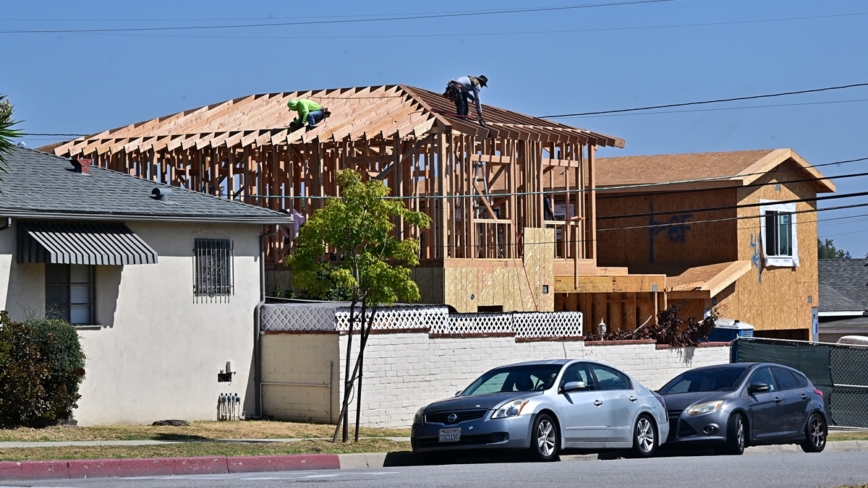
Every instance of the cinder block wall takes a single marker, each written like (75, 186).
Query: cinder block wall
(405, 371)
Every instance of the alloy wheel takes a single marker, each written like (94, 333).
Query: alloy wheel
(546, 438)
(739, 426)
(645, 435)
(818, 433)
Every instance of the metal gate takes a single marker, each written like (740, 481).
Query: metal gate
(840, 372)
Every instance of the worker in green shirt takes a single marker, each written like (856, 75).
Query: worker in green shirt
(308, 111)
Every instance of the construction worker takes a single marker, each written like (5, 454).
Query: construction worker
(467, 88)
(308, 111)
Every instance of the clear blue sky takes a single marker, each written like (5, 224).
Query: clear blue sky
(547, 62)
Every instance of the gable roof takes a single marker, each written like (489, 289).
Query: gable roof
(262, 119)
(738, 167)
(40, 186)
(843, 285)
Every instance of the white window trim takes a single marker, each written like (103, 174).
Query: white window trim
(779, 261)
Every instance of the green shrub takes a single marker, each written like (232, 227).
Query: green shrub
(41, 368)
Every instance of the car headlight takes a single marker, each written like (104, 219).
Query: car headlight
(419, 418)
(511, 409)
(704, 408)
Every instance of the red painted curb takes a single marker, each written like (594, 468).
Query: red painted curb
(112, 468)
(249, 464)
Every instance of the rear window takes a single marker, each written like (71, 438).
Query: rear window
(699, 380)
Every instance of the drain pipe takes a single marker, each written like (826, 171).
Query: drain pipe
(257, 322)
(8, 224)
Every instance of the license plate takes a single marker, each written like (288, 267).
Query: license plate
(450, 435)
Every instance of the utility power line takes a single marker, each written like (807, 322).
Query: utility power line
(337, 21)
(706, 102)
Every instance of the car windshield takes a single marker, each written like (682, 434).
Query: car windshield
(699, 380)
(528, 377)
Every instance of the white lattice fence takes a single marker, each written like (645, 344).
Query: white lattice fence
(475, 323)
(397, 318)
(553, 324)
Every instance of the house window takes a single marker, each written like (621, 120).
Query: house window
(213, 278)
(779, 234)
(69, 293)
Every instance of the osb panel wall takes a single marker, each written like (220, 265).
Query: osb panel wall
(685, 241)
(505, 283)
(777, 298)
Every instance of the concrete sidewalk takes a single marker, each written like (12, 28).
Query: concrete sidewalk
(19, 445)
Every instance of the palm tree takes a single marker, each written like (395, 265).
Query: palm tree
(7, 130)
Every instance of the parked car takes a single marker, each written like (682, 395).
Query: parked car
(543, 407)
(731, 406)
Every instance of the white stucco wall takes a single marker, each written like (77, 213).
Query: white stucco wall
(405, 371)
(158, 353)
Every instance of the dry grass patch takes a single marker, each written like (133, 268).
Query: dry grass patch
(848, 436)
(196, 431)
(194, 449)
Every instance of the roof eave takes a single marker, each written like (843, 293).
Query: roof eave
(115, 217)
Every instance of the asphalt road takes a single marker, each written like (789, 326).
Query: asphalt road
(762, 470)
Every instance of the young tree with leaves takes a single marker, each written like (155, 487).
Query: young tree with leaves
(357, 228)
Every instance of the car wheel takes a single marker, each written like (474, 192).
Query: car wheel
(735, 436)
(644, 437)
(815, 434)
(545, 439)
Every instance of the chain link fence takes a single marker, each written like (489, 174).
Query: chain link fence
(839, 371)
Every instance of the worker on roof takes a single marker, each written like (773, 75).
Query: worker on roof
(464, 89)
(308, 111)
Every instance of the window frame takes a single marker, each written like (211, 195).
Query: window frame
(68, 285)
(771, 237)
(213, 286)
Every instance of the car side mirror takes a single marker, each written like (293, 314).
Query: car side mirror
(757, 388)
(574, 386)
(457, 393)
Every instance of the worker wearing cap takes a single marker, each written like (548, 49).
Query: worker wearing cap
(469, 87)
(308, 111)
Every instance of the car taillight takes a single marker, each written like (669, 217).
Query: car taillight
(660, 399)
(818, 392)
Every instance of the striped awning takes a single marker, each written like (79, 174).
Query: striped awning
(81, 243)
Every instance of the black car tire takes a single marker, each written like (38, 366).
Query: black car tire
(545, 439)
(735, 436)
(815, 434)
(645, 440)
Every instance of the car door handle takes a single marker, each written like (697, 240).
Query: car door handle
(598, 402)
(777, 399)
(804, 397)
(633, 399)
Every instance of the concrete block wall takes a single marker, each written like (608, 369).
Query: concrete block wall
(405, 371)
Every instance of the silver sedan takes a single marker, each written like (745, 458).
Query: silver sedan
(544, 407)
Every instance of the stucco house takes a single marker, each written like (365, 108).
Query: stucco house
(843, 298)
(162, 283)
(731, 230)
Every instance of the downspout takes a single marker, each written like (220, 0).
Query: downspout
(257, 322)
(8, 223)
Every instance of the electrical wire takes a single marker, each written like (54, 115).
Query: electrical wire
(723, 109)
(345, 21)
(706, 102)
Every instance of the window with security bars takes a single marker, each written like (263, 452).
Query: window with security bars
(213, 270)
(779, 233)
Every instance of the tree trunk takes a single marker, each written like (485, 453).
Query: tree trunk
(366, 331)
(348, 382)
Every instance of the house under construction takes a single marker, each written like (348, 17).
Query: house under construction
(513, 205)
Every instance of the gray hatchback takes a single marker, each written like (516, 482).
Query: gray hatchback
(731, 406)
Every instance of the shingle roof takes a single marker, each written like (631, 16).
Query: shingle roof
(671, 168)
(41, 186)
(843, 285)
(262, 119)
